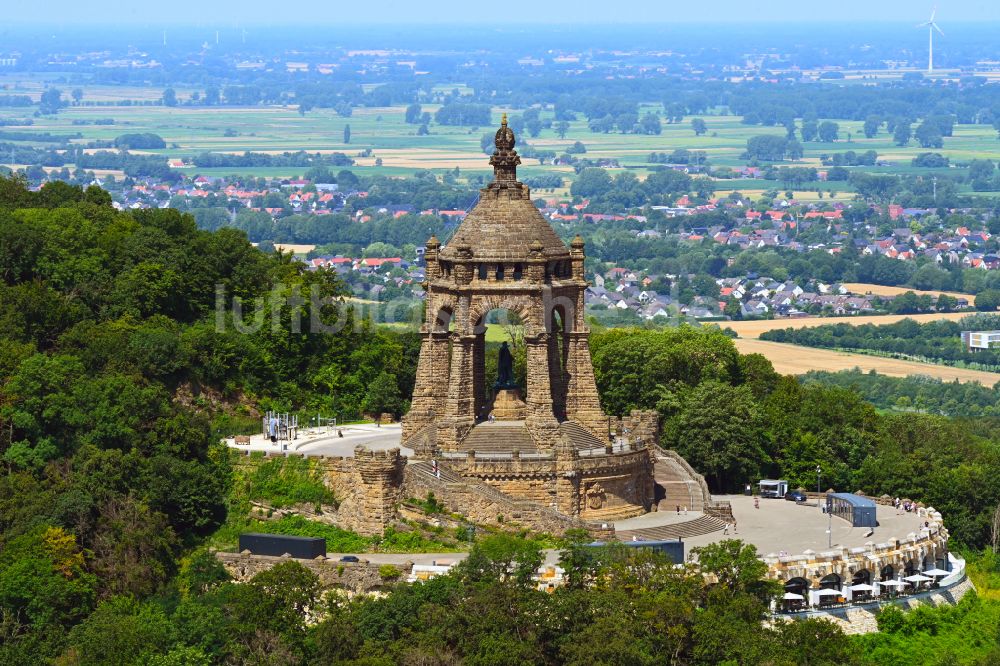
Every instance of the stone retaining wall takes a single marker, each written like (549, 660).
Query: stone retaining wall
(353, 577)
(862, 619)
(368, 486)
(602, 487)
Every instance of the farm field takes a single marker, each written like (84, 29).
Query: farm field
(863, 288)
(190, 130)
(795, 360)
(753, 329)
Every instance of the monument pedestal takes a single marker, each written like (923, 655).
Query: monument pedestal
(509, 406)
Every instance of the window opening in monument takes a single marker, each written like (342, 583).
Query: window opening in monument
(887, 573)
(503, 326)
(561, 350)
(518, 271)
(444, 323)
(483, 272)
(499, 275)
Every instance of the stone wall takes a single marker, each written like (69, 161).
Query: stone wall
(863, 619)
(353, 577)
(485, 505)
(368, 487)
(604, 486)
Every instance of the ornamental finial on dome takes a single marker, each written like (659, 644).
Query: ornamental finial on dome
(504, 139)
(505, 158)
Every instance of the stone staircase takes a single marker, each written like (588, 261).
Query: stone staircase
(691, 528)
(499, 437)
(680, 483)
(580, 436)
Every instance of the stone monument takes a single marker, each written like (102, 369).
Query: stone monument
(505, 256)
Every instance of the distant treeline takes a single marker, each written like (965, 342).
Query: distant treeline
(40, 137)
(248, 159)
(915, 393)
(15, 100)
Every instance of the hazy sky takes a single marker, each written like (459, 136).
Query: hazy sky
(312, 12)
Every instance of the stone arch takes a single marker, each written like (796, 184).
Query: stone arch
(911, 567)
(797, 585)
(442, 317)
(830, 582)
(483, 305)
(888, 572)
(861, 576)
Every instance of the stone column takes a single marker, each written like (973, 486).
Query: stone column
(541, 421)
(583, 404)
(568, 500)
(430, 388)
(461, 404)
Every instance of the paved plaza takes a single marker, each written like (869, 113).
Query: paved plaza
(326, 442)
(779, 525)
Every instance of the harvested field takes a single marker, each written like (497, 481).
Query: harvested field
(863, 288)
(795, 360)
(753, 329)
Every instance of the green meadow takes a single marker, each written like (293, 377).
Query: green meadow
(382, 142)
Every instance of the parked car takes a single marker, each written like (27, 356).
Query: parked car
(350, 558)
(795, 496)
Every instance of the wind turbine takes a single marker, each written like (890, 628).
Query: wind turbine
(931, 27)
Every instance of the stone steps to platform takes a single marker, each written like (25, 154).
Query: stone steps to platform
(581, 436)
(687, 529)
(499, 438)
(679, 488)
(447, 475)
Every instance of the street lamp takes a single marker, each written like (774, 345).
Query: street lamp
(819, 471)
(829, 529)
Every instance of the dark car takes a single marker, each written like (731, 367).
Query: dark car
(795, 496)
(350, 558)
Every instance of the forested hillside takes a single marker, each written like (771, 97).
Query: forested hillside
(117, 380)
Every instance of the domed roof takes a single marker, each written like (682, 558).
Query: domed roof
(504, 225)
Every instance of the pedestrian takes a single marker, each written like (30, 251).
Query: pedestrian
(756, 503)
(735, 531)
(273, 429)
(725, 529)
(685, 509)
(678, 509)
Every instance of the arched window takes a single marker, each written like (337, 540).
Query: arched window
(862, 576)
